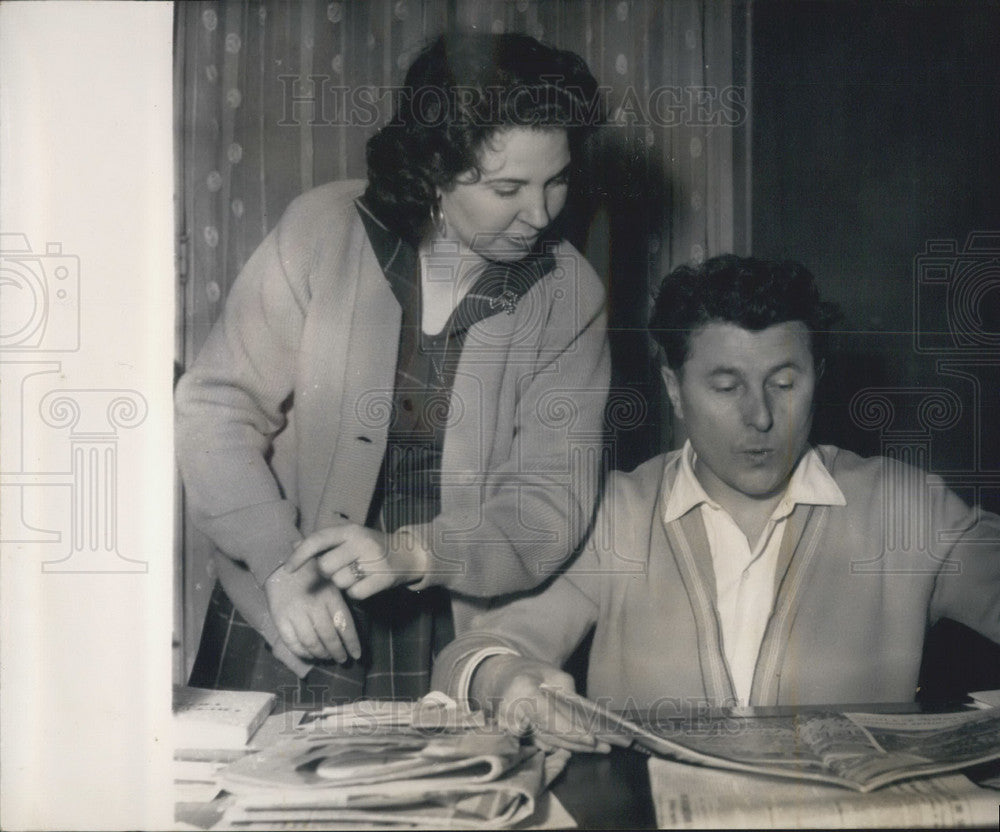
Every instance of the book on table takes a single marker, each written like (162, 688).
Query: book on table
(217, 719)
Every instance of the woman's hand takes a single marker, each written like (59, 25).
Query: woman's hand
(523, 709)
(360, 560)
(311, 615)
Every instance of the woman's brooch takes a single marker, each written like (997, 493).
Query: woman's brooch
(506, 300)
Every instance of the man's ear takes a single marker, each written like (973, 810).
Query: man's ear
(673, 389)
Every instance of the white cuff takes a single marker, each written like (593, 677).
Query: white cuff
(461, 694)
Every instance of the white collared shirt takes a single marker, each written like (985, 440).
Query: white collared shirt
(745, 573)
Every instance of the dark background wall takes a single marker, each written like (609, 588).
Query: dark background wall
(876, 130)
(875, 156)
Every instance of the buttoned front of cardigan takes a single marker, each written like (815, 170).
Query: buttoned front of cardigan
(282, 421)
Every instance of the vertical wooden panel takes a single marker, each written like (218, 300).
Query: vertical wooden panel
(243, 160)
(199, 135)
(718, 40)
(328, 64)
(220, 183)
(307, 43)
(266, 26)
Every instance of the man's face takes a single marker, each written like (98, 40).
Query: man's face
(746, 400)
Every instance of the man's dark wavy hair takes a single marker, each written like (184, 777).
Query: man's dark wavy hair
(752, 294)
(461, 90)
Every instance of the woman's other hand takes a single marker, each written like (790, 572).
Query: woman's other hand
(361, 561)
(522, 708)
(311, 615)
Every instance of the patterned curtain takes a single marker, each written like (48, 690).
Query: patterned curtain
(269, 104)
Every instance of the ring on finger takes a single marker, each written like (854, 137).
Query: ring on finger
(356, 571)
(340, 621)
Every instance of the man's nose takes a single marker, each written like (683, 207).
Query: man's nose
(757, 410)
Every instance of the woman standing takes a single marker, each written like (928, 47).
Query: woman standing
(397, 414)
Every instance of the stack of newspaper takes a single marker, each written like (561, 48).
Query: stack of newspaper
(399, 764)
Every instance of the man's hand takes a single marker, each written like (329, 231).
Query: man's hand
(311, 615)
(360, 560)
(520, 707)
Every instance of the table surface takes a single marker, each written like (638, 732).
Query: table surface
(607, 791)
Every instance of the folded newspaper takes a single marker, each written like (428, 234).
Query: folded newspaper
(395, 764)
(856, 750)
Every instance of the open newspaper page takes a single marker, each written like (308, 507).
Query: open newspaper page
(686, 797)
(858, 751)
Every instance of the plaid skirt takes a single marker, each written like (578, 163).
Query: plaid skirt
(401, 632)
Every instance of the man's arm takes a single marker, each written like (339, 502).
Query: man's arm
(545, 626)
(967, 587)
(511, 650)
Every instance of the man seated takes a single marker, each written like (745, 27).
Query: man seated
(748, 567)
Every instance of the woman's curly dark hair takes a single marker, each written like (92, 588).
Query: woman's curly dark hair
(750, 293)
(461, 90)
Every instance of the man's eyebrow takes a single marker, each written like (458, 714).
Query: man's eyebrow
(785, 365)
(723, 370)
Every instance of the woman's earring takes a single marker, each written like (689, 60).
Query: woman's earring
(437, 218)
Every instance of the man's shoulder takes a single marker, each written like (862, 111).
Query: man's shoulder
(842, 462)
(862, 478)
(642, 484)
(621, 537)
